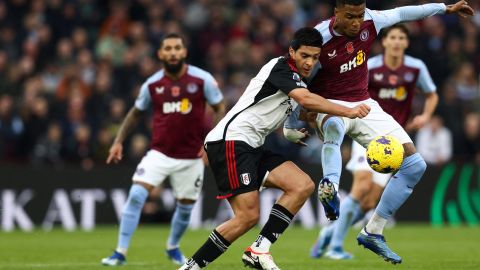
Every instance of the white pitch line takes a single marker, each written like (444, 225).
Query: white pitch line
(62, 265)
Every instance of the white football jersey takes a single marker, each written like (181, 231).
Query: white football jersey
(263, 107)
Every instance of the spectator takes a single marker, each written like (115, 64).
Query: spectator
(471, 138)
(434, 142)
(11, 129)
(72, 82)
(5, 83)
(102, 144)
(36, 122)
(48, 149)
(79, 147)
(466, 83)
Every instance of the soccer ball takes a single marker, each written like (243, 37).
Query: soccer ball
(385, 154)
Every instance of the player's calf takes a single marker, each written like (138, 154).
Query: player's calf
(400, 187)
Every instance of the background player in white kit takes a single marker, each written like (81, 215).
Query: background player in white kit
(393, 79)
(178, 94)
(343, 79)
(241, 165)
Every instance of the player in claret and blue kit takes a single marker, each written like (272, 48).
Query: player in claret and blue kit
(343, 78)
(178, 94)
(393, 79)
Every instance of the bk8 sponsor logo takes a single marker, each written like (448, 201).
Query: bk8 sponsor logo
(399, 94)
(357, 61)
(184, 106)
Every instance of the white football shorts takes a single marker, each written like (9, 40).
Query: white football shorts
(186, 175)
(358, 162)
(376, 123)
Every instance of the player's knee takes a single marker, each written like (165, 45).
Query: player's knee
(302, 188)
(137, 195)
(420, 165)
(307, 188)
(250, 219)
(333, 129)
(365, 187)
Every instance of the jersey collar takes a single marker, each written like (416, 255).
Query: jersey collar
(330, 27)
(291, 64)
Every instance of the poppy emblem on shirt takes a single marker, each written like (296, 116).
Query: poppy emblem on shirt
(350, 48)
(409, 77)
(364, 35)
(393, 79)
(175, 91)
(192, 88)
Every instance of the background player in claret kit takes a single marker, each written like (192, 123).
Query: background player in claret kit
(241, 165)
(343, 79)
(393, 79)
(178, 94)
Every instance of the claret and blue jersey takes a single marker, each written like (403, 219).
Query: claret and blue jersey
(179, 110)
(394, 89)
(343, 71)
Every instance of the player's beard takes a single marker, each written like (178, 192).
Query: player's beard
(174, 68)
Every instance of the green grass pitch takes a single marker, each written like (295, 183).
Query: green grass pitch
(420, 246)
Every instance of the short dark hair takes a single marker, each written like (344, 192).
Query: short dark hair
(402, 27)
(306, 36)
(171, 35)
(341, 3)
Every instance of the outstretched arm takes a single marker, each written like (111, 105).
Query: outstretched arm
(386, 18)
(461, 8)
(319, 104)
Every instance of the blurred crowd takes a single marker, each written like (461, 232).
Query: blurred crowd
(71, 69)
